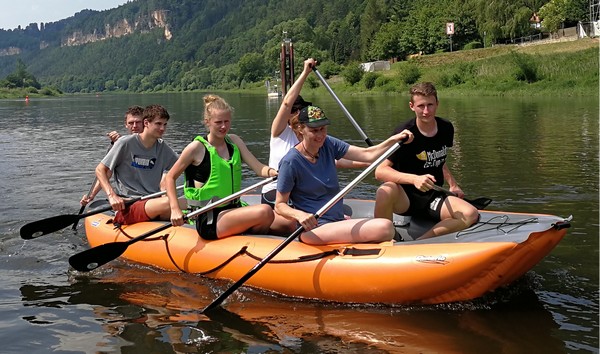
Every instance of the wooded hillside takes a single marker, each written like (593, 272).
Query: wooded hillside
(150, 45)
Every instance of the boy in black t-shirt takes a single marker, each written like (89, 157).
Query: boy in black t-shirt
(411, 172)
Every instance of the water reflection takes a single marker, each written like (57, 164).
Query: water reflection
(147, 310)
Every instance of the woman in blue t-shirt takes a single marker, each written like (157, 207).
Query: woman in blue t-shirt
(308, 177)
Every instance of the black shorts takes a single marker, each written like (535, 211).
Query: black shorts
(424, 204)
(269, 198)
(206, 225)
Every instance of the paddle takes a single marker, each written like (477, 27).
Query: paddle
(95, 257)
(83, 206)
(45, 226)
(360, 131)
(89, 192)
(479, 203)
(282, 245)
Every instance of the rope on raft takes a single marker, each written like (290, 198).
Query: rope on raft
(242, 251)
(500, 226)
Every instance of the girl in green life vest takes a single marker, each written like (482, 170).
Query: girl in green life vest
(212, 166)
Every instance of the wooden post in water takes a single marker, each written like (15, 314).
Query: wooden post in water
(287, 63)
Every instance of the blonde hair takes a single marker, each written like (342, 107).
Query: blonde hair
(214, 103)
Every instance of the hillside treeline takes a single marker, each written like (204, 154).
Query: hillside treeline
(230, 44)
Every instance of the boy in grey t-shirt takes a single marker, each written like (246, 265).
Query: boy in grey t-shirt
(138, 170)
(138, 163)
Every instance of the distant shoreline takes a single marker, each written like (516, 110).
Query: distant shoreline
(550, 68)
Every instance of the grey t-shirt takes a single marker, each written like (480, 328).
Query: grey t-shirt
(136, 170)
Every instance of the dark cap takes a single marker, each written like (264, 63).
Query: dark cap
(300, 103)
(313, 117)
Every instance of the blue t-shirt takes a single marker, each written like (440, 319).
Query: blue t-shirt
(313, 185)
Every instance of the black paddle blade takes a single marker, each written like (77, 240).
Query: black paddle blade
(479, 203)
(95, 257)
(46, 226)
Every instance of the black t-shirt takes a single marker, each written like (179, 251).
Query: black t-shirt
(424, 155)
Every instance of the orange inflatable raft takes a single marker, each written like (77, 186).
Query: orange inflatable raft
(497, 250)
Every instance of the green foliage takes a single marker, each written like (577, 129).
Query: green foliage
(504, 18)
(251, 67)
(409, 73)
(353, 73)
(329, 68)
(20, 78)
(424, 28)
(46, 91)
(312, 82)
(472, 45)
(553, 14)
(527, 69)
(371, 20)
(216, 44)
(556, 12)
(369, 79)
(456, 74)
(386, 43)
(382, 81)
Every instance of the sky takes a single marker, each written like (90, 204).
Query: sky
(23, 12)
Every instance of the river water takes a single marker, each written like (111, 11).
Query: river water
(529, 155)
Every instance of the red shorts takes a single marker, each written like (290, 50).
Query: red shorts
(132, 214)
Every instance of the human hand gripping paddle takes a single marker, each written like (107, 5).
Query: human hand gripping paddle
(479, 203)
(83, 206)
(49, 225)
(217, 302)
(89, 192)
(95, 257)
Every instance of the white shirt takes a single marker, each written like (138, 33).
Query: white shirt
(279, 146)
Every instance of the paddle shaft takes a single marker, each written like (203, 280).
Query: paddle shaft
(89, 192)
(442, 189)
(292, 237)
(45, 226)
(352, 120)
(83, 206)
(95, 257)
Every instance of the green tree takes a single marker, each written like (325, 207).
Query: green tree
(500, 19)
(423, 29)
(386, 42)
(556, 12)
(21, 78)
(353, 73)
(343, 43)
(110, 85)
(370, 22)
(251, 67)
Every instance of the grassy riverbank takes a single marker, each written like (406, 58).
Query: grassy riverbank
(28, 92)
(565, 68)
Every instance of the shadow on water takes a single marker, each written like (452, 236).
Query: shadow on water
(137, 309)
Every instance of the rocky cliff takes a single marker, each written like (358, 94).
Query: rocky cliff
(157, 19)
(9, 51)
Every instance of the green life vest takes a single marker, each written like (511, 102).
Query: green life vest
(225, 176)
